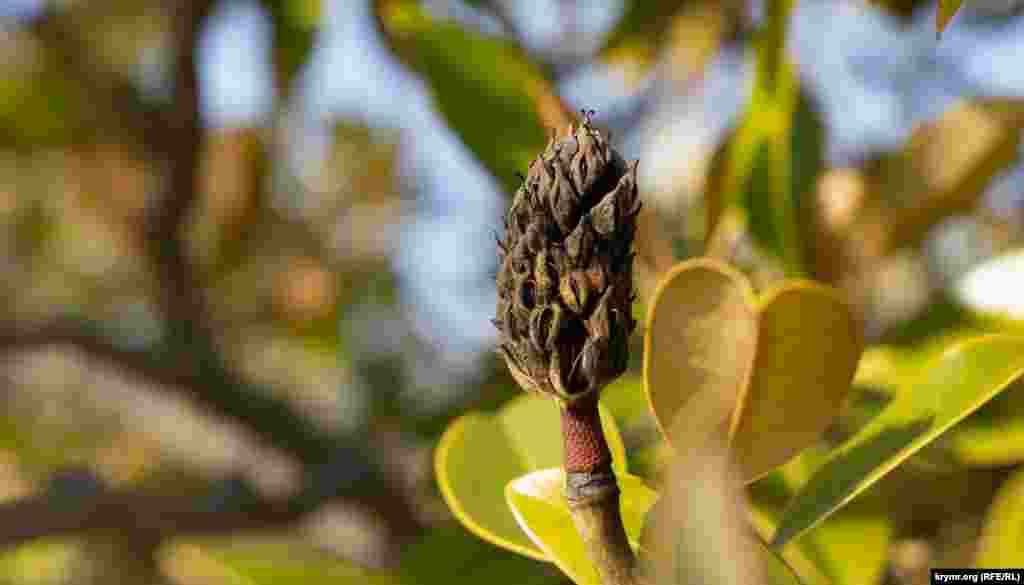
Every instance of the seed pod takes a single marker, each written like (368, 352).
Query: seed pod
(565, 279)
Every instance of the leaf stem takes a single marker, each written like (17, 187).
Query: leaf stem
(592, 493)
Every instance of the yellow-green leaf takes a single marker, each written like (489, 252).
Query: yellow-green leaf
(699, 343)
(991, 442)
(479, 453)
(769, 179)
(808, 344)
(948, 390)
(1003, 533)
(251, 561)
(538, 503)
(849, 548)
(295, 25)
(286, 560)
(947, 8)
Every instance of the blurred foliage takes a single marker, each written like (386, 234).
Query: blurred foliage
(484, 87)
(295, 24)
(477, 437)
(296, 238)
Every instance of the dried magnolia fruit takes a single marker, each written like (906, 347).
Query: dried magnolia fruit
(565, 285)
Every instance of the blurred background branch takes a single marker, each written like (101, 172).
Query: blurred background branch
(247, 245)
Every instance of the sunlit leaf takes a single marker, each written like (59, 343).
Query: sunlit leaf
(43, 561)
(1003, 533)
(700, 341)
(39, 104)
(767, 173)
(251, 560)
(808, 344)
(773, 160)
(486, 88)
(990, 441)
(642, 27)
(713, 354)
(948, 390)
(480, 453)
(254, 562)
(539, 505)
(947, 8)
(849, 548)
(295, 25)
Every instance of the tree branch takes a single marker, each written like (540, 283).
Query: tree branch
(274, 422)
(151, 516)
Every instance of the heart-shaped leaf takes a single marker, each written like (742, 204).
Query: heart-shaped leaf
(700, 342)
(479, 453)
(1003, 533)
(538, 503)
(808, 344)
(951, 388)
(775, 369)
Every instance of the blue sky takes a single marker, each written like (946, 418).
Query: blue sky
(874, 78)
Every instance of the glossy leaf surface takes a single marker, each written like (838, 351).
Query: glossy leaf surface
(700, 342)
(539, 505)
(1003, 533)
(772, 373)
(951, 388)
(807, 351)
(479, 453)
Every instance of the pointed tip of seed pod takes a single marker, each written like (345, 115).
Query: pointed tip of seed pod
(588, 116)
(552, 135)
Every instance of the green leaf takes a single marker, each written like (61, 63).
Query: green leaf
(957, 384)
(849, 548)
(251, 560)
(486, 87)
(778, 571)
(295, 25)
(480, 453)
(769, 179)
(699, 343)
(808, 345)
(1003, 532)
(538, 503)
(991, 440)
(947, 8)
(643, 28)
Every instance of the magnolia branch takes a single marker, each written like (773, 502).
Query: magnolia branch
(135, 514)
